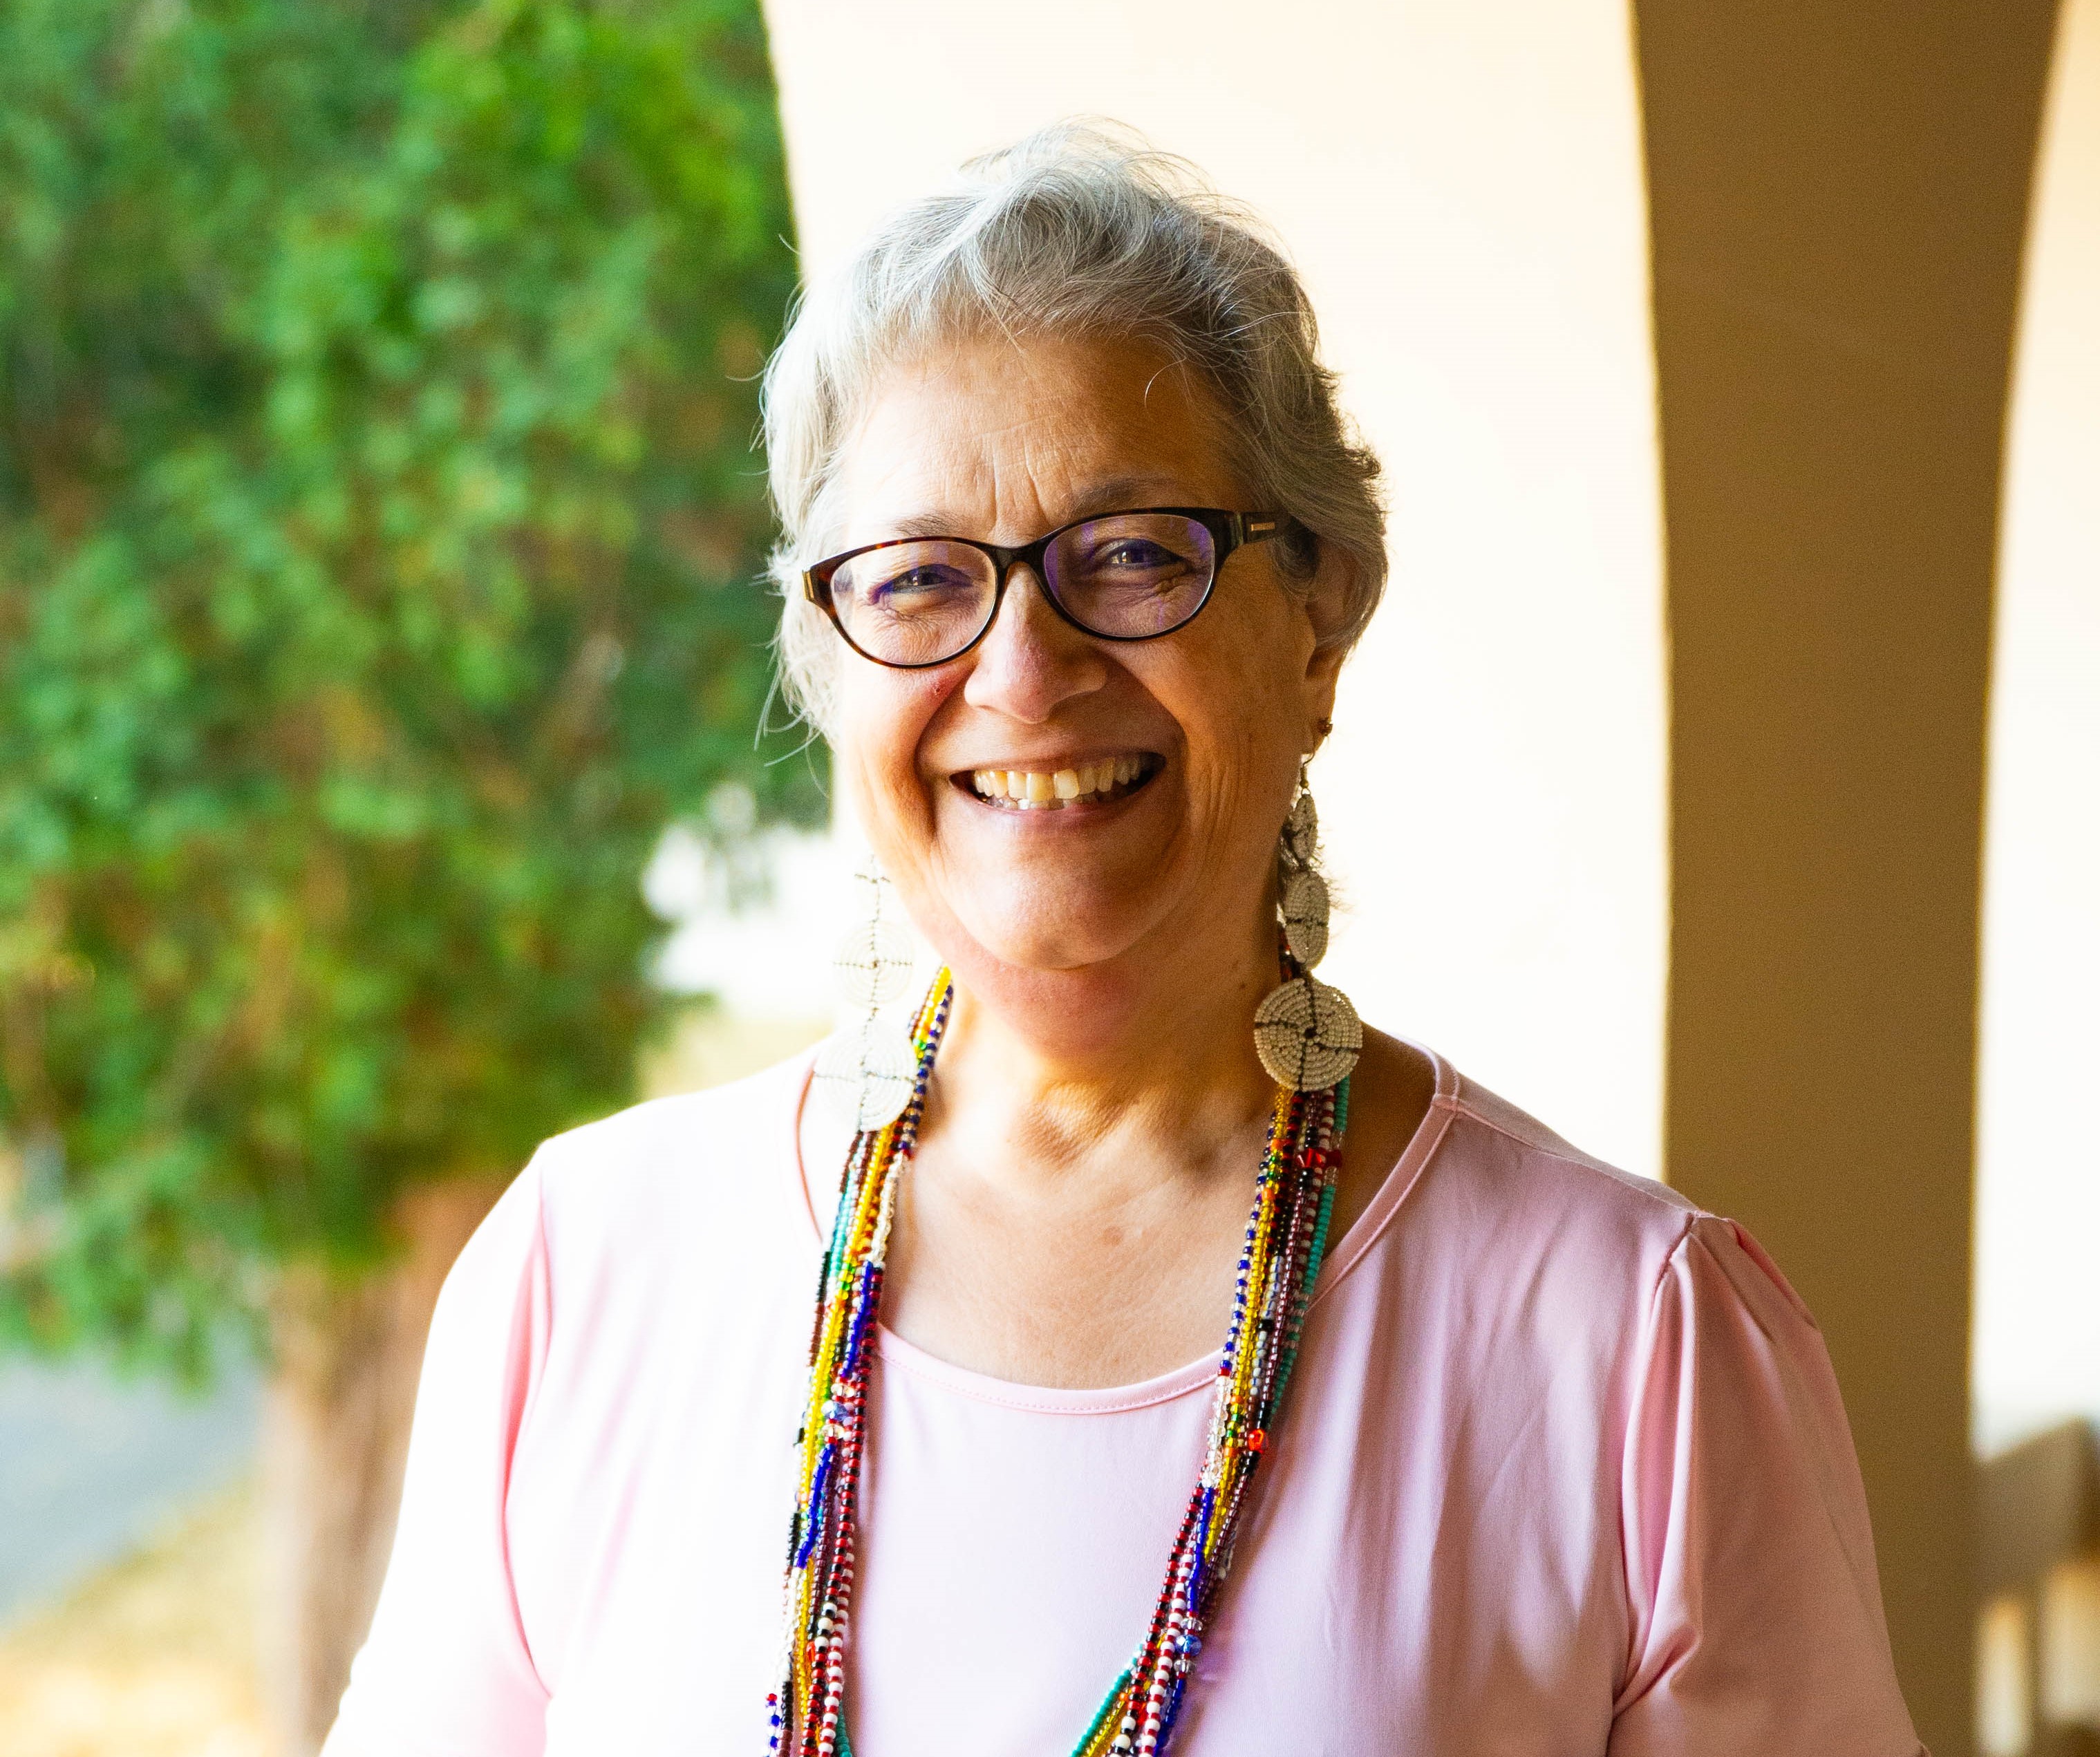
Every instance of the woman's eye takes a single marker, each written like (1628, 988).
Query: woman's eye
(1135, 552)
(916, 582)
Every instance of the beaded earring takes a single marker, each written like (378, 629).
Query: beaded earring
(865, 1074)
(1306, 1034)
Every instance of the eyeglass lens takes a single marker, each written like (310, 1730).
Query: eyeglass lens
(1126, 576)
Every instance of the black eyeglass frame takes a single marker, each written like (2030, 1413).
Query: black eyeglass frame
(1230, 532)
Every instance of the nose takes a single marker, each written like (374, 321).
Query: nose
(1031, 661)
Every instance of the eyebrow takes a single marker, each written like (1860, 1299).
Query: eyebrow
(1117, 494)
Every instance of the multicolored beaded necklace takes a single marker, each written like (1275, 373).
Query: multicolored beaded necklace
(1286, 1236)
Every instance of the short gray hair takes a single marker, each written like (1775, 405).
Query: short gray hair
(1078, 230)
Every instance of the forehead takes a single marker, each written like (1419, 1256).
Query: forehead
(1003, 438)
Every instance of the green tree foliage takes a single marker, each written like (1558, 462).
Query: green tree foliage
(379, 523)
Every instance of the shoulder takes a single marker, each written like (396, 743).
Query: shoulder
(718, 1163)
(635, 1251)
(1513, 1204)
(1524, 1166)
(690, 1135)
(1507, 1215)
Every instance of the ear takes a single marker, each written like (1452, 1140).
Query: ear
(1326, 605)
(1322, 672)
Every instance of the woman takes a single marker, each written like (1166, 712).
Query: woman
(1504, 1452)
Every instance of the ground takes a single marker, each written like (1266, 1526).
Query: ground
(151, 1657)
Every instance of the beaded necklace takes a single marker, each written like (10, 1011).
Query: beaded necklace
(1286, 1236)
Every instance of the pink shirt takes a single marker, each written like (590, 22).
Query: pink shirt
(1564, 1472)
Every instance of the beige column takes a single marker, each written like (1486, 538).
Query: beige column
(1838, 190)
(1462, 187)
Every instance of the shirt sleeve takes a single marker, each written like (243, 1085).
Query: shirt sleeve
(1756, 1623)
(446, 1670)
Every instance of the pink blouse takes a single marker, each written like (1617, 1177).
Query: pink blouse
(1564, 1472)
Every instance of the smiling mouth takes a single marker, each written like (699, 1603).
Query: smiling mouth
(1089, 783)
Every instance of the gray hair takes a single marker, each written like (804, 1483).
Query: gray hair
(1077, 230)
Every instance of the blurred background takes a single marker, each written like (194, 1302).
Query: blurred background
(389, 775)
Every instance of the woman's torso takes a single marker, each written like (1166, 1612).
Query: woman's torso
(1471, 1535)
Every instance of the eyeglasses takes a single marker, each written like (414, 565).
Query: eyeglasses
(914, 601)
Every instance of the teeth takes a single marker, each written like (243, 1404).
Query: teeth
(1036, 789)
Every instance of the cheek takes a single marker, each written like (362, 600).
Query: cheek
(883, 718)
(1241, 698)
(1243, 712)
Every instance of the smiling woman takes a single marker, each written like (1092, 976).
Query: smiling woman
(1502, 1450)
(1212, 714)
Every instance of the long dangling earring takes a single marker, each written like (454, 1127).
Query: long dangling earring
(1308, 1034)
(865, 1075)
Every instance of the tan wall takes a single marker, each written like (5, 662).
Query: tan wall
(1461, 187)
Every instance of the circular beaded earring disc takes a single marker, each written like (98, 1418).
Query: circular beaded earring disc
(873, 963)
(1305, 912)
(1308, 1034)
(866, 1076)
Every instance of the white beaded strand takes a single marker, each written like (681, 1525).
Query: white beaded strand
(865, 1074)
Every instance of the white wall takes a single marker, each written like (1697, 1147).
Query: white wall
(1462, 187)
(2037, 1346)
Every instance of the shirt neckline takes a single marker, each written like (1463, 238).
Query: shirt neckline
(892, 1350)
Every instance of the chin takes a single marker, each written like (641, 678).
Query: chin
(1029, 932)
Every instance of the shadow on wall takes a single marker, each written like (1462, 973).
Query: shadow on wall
(2038, 1633)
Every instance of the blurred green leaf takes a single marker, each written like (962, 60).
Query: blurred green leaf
(378, 524)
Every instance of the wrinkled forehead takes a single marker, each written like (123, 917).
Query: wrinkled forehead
(1003, 438)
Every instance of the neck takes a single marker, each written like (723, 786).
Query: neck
(1134, 1072)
